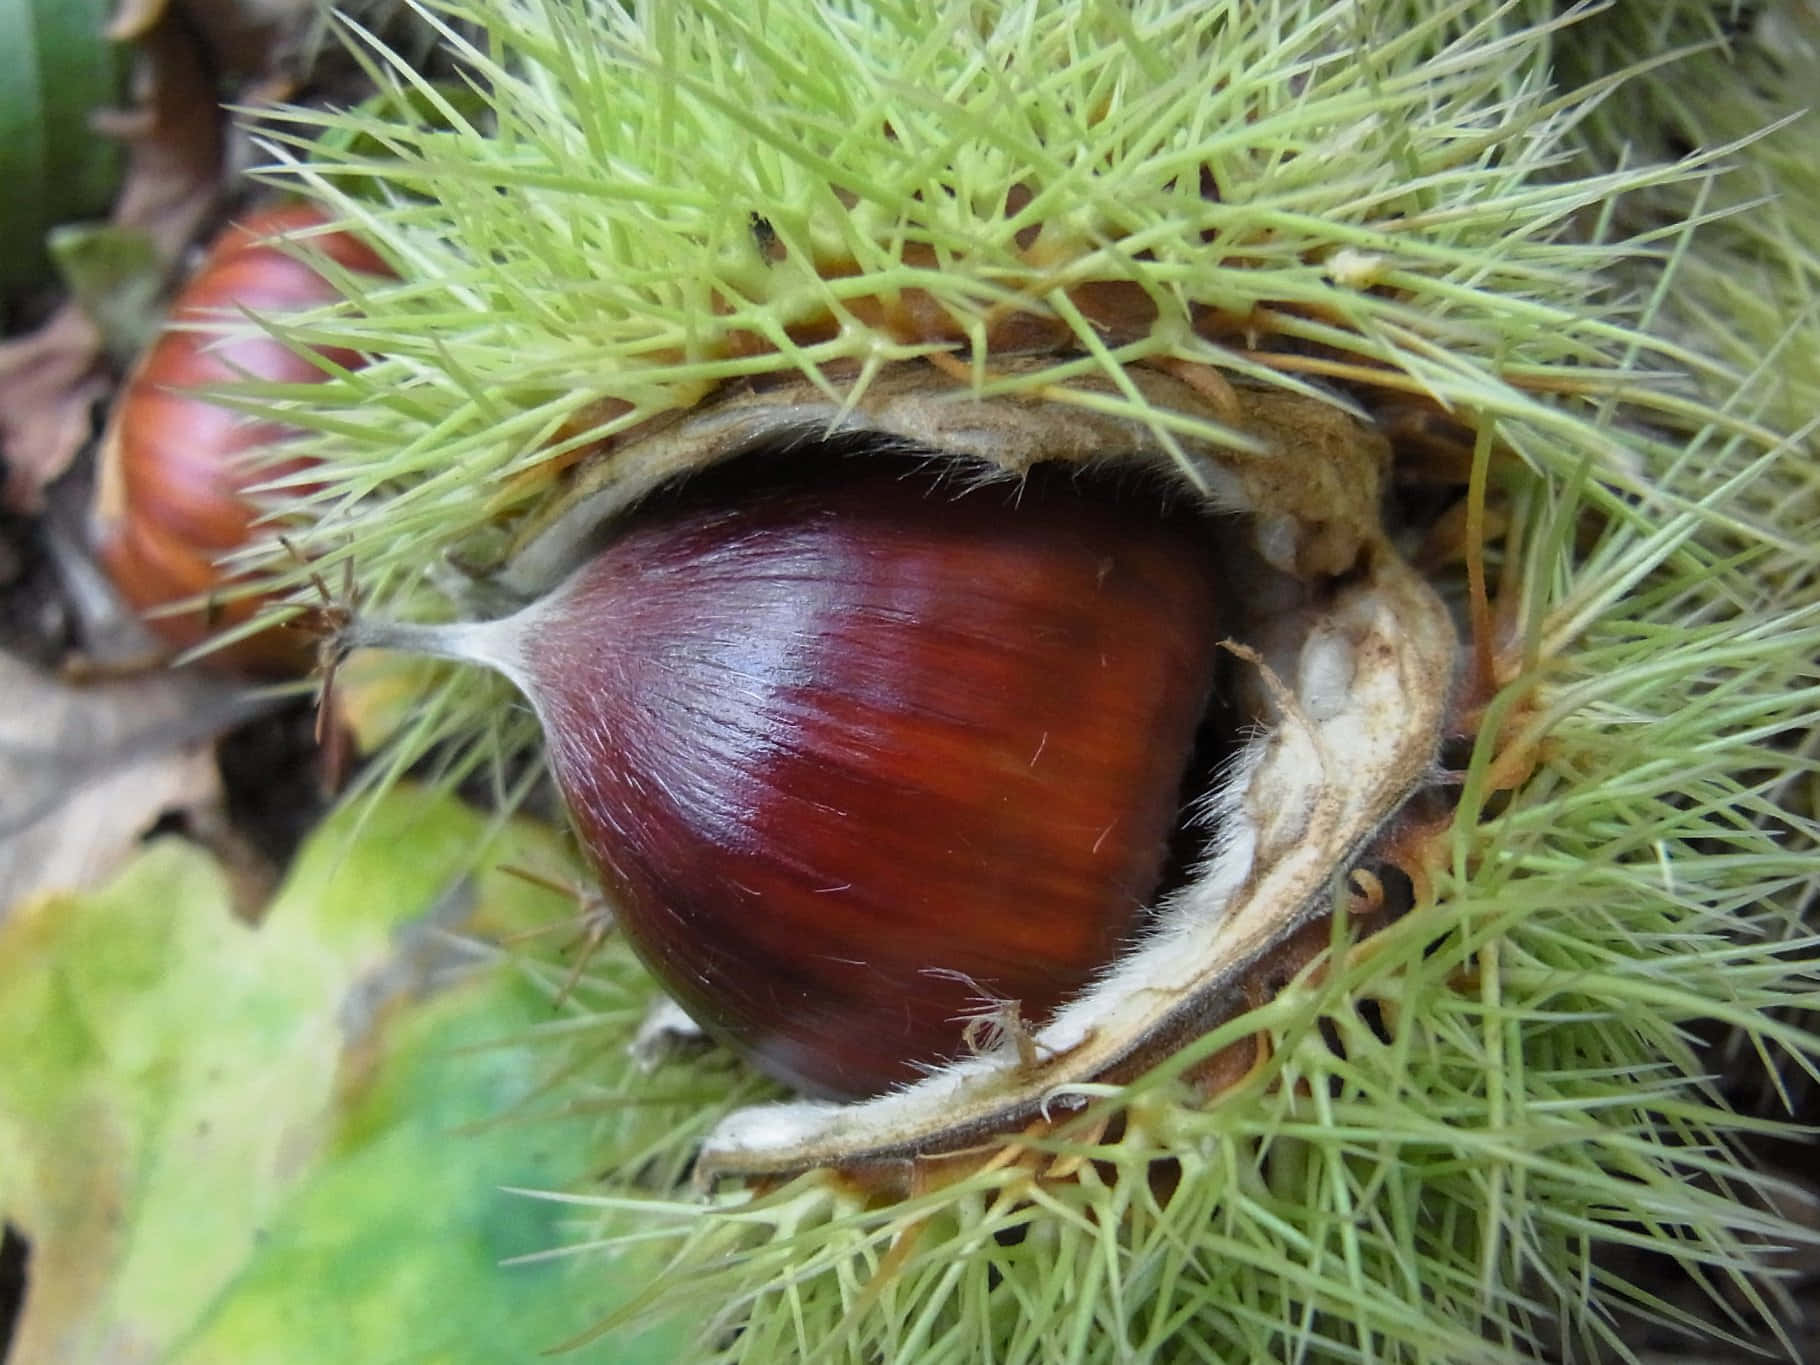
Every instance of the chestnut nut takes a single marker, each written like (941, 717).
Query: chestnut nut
(171, 500)
(853, 751)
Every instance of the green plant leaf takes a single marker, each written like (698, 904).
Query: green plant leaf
(56, 69)
(117, 277)
(273, 1143)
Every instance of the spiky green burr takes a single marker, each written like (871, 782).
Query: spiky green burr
(1443, 1132)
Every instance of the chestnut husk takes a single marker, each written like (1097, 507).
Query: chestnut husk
(1344, 661)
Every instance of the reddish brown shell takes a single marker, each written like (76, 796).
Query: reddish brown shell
(854, 752)
(170, 499)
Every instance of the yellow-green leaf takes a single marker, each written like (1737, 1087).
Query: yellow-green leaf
(229, 1143)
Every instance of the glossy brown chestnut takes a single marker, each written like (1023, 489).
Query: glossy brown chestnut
(855, 749)
(171, 498)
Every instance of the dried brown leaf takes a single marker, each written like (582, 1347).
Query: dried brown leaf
(174, 154)
(52, 379)
(85, 771)
(251, 38)
(135, 18)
